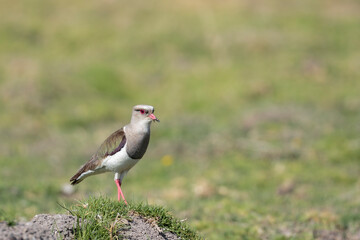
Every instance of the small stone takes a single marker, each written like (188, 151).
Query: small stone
(67, 190)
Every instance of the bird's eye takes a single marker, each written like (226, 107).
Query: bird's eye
(142, 111)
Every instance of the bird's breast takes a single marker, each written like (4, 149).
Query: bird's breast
(137, 145)
(119, 162)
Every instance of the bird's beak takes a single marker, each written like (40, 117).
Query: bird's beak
(152, 116)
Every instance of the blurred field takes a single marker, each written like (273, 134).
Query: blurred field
(258, 101)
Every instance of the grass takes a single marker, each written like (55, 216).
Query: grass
(101, 218)
(258, 102)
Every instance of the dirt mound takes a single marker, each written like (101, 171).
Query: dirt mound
(143, 229)
(42, 226)
(45, 226)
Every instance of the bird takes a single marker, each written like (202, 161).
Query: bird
(121, 150)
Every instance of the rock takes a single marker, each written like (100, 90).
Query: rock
(67, 190)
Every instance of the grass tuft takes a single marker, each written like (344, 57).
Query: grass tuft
(8, 218)
(102, 218)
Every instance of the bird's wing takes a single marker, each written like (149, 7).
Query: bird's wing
(113, 144)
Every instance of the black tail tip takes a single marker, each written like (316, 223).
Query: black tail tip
(74, 181)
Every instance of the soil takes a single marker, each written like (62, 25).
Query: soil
(141, 228)
(42, 226)
(45, 226)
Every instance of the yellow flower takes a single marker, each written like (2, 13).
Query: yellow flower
(167, 160)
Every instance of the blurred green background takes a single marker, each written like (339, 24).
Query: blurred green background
(258, 100)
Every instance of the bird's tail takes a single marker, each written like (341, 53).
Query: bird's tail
(76, 178)
(75, 181)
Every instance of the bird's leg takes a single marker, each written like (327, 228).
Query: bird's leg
(120, 193)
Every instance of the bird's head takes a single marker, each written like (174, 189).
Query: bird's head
(143, 113)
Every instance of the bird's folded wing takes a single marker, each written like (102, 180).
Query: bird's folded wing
(113, 144)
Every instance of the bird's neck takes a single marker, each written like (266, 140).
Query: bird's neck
(138, 136)
(140, 127)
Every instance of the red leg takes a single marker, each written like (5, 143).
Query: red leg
(118, 184)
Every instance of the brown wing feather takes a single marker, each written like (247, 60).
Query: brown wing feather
(114, 143)
(90, 165)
